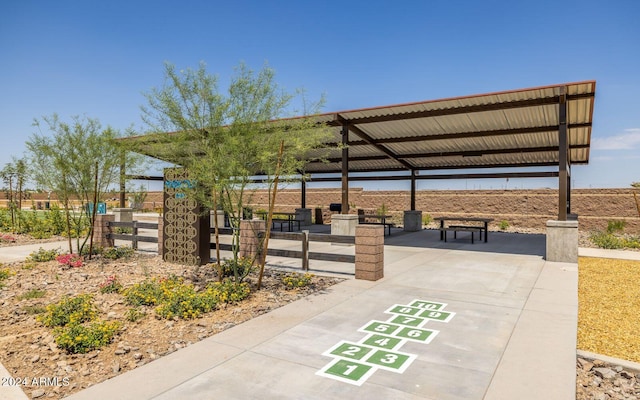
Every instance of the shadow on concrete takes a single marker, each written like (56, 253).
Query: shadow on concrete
(499, 242)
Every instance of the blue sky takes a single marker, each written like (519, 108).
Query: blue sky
(97, 58)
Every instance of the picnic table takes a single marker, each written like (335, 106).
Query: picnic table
(464, 227)
(379, 220)
(282, 218)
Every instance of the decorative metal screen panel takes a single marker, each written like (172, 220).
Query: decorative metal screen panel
(186, 229)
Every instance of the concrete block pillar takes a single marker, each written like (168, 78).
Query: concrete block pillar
(344, 224)
(562, 241)
(250, 243)
(101, 230)
(412, 221)
(123, 214)
(304, 216)
(160, 234)
(369, 252)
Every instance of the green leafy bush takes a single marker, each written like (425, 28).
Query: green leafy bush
(32, 294)
(172, 298)
(613, 238)
(615, 226)
(229, 291)
(238, 269)
(114, 253)
(77, 338)
(295, 280)
(5, 273)
(111, 285)
(134, 314)
(69, 310)
(504, 224)
(426, 219)
(42, 255)
(34, 310)
(147, 293)
(182, 301)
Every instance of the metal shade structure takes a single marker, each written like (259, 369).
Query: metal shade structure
(547, 126)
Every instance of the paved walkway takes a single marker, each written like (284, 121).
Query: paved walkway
(510, 333)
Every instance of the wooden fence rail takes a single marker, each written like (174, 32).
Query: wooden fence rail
(133, 237)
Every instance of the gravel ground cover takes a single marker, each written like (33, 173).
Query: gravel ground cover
(608, 324)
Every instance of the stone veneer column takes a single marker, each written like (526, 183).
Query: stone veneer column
(369, 252)
(562, 241)
(249, 240)
(100, 230)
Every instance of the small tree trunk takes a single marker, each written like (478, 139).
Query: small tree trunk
(216, 234)
(93, 212)
(272, 202)
(635, 197)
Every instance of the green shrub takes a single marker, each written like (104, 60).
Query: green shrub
(134, 314)
(229, 291)
(504, 224)
(32, 294)
(238, 269)
(43, 255)
(114, 253)
(182, 301)
(55, 219)
(426, 219)
(295, 280)
(172, 298)
(147, 293)
(5, 273)
(606, 240)
(382, 210)
(69, 310)
(77, 338)
(111, 285)
(615, 226)
(34, 310)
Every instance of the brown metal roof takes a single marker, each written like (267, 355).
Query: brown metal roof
(518, 128)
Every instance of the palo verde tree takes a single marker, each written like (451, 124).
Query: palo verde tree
(14, 175)
(226, 138)
(78, 161)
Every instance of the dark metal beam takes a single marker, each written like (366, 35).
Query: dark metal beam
(497, 175)
(413, 190)
(345, 169)
(382, 148)
(563, 153)
(464, 135)
(456, 153)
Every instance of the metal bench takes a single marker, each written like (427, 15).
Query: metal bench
(461, 228)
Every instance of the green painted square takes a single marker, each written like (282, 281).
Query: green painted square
(419, 335)
(350, 350)
(385, 342)
(348, 370)
(428, 305)
(404, 310)
(388, 359)
(380, 327)
(407, 320)
(443, 316)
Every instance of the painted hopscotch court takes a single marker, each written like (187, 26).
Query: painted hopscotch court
(355, 362)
